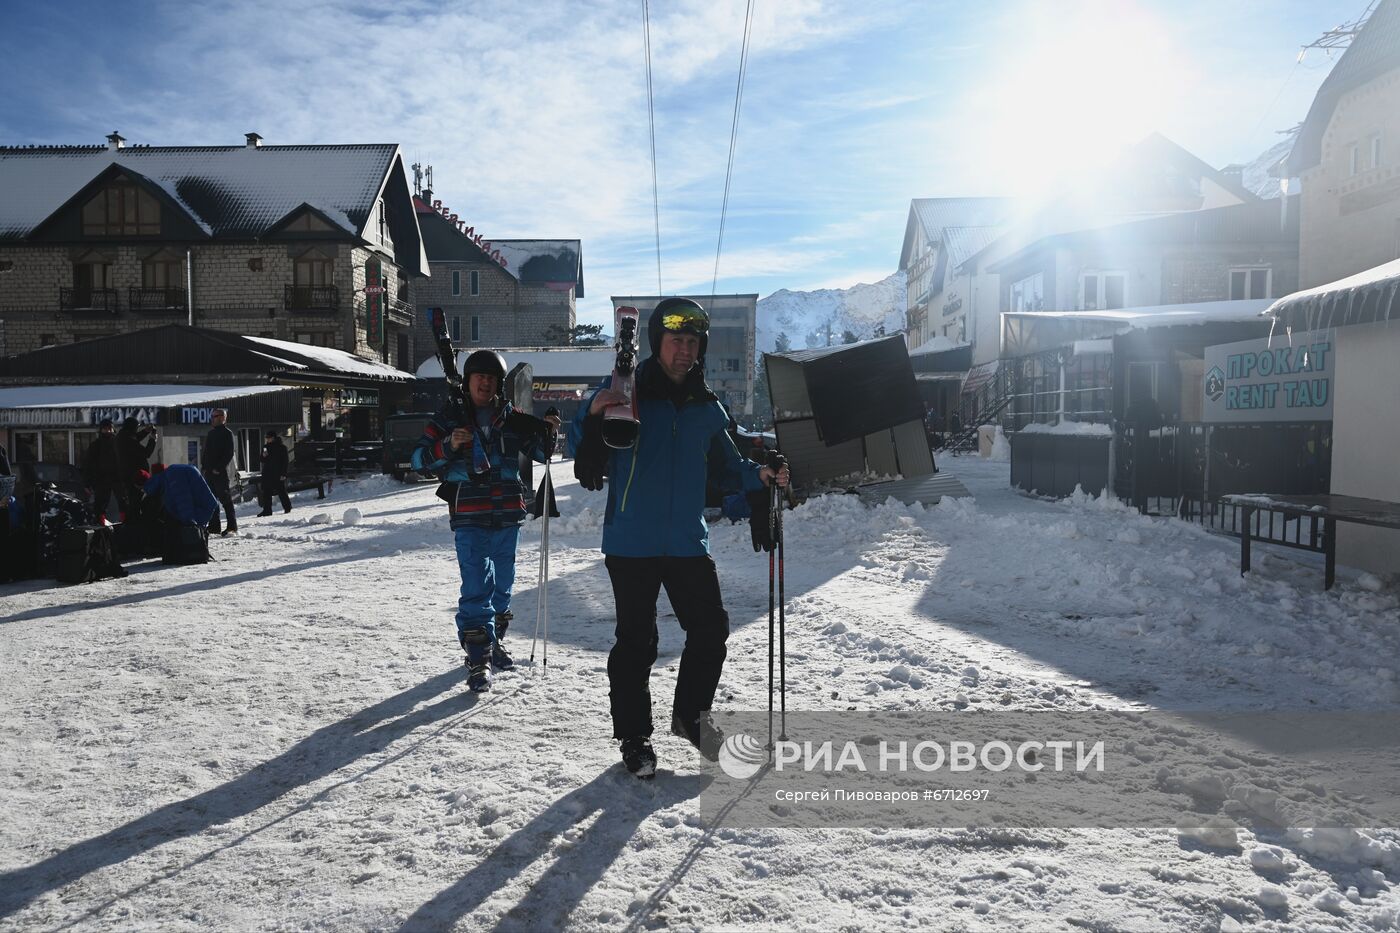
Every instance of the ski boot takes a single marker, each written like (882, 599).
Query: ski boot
(639, 757)
(699, 731)
(478, 646)
(500, 658)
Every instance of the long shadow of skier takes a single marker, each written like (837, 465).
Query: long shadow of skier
(621, 805)
(324, 751)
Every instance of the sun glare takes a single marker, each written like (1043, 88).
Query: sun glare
(1074, 84)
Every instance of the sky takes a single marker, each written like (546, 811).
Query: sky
(534, 115)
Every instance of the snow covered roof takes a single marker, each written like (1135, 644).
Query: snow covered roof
(125, 396)
(938, 343)
(591, 363)
(235, 191)
(1366, 297)
(335, 360)
(1160, 315)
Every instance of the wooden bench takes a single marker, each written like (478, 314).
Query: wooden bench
(1327, 510)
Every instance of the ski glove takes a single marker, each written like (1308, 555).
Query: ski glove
(759, 528)
(591, 458)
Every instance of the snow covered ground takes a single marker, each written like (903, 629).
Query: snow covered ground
(282, 739)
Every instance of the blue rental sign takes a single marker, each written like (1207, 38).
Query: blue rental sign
(1278, 378)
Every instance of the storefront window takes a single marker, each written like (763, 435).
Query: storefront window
(26, 446)
(54, 446)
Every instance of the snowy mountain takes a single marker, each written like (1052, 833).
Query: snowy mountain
(1256, 177)
(806, 318)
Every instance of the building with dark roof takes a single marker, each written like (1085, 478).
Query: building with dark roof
(1347, 157)
(310, 244)
(495, 293)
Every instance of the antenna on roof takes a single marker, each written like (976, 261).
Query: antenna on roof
(1339, 37)
(417, 177)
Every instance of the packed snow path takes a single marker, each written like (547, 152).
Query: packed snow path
(282, 739)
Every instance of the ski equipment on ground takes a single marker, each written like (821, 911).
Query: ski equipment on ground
(620, 423)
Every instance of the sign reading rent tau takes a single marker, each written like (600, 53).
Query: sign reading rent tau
(1270, 379)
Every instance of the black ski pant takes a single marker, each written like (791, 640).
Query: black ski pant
(692, 585)
(218, 485)
(271, 486)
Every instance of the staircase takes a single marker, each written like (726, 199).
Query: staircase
(989, 401)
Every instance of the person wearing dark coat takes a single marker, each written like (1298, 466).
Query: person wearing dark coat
(274, 475)
(102, 469)
(135, 444)
(215, 462)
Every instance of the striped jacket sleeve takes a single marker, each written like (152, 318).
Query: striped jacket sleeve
(432, 453)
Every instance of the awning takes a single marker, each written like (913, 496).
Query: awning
(1364, 298)
(980, 375)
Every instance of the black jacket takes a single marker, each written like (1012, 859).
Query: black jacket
(134, 454)
(103, 464)
(274, 459)
(218, 450)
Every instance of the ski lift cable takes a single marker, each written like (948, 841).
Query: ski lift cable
(651, 124)
(733, 141)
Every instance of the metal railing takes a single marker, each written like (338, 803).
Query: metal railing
(88, 299)
(155, 299)
(312, 298)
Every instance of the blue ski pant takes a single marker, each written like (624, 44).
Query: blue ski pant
(486, 558)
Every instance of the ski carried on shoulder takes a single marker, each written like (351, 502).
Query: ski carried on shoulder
(447, 357)
(620, 422)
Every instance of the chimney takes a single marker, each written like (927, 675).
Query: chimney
(115, 141)
(427, 196)
(254, 140)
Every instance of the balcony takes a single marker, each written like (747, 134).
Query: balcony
(156, 299)
(400, 311)
(88, 299)
(312, 298)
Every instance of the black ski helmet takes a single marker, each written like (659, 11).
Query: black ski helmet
(686, 307)
(489, 362)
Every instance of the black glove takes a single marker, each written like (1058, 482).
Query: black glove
(759, 528)
(591, 458)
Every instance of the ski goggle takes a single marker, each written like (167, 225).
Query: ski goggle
(686, 320)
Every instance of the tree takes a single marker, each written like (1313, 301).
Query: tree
(783, 343)
(848, 337)
(762, 398)
(580, 335)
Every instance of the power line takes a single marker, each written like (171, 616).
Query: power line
(651, 123)
(733, 141)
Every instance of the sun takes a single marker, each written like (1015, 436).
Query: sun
(1072, 85)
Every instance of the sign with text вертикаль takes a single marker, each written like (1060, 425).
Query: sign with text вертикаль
(1278, 378)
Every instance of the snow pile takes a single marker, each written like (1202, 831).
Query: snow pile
(1001, 447)
(352, 516)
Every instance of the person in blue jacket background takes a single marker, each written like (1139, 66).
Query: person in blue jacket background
(476, 453)
(654, 531)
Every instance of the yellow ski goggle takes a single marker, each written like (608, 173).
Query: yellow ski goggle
(693, 320)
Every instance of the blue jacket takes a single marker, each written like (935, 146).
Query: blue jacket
(185, 495)
(495, 498)
(656, 489)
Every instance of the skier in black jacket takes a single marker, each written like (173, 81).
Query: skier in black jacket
(274, 475)
(135, 444)
(102, 469)
(215, 463)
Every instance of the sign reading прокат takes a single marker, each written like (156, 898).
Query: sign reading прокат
(1282, 378)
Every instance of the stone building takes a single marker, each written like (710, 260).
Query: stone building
(495, 293)
(729, 358)
(312, 244)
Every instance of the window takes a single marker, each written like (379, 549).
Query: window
(383, 224)
(1103, 291)
(315, 338)
(92, 271)
(1251, 283)
(729, 365)
(1028, 294)
(313, 269)
(476, 323)
(122, 209)
(1355, 158)
(456, 283)
(47, 340)
(456, 327)
(307, 222)
(163, 270)
(475, 284)
(1376, 151)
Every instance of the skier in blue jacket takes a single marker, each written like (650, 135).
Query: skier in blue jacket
(476, 453)
(654, 531)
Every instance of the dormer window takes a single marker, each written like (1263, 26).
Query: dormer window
(122, 209)
(308, 222)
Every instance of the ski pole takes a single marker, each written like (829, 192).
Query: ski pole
(542, 578)
(771, 532)
(779, 462)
